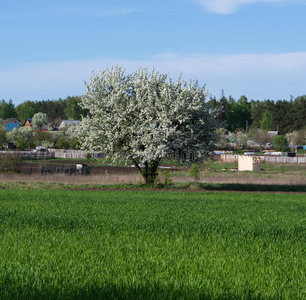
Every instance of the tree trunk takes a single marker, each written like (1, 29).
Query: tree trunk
(149, 171)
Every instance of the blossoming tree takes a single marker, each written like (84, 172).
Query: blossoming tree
(146, 117)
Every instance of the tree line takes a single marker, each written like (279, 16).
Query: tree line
(269, 115)
(281, 115)
(56, 110)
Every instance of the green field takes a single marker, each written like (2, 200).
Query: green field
(151, 245)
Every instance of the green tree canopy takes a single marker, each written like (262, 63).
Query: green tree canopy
(267, 121)
(280, 143)
(73, 110)
(7, 110)
(25, 110)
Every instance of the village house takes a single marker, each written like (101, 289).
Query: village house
(27, 123)
(10, 123)
(65, 124)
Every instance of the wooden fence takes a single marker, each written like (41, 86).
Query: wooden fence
(55, 153)
(30, 154)
(79, 154)
(269, 158)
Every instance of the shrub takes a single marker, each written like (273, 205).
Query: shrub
(21, 144)
(74, 144)
(41, 137)
(281, 143)
(62, 143)
(194, 171)
(167, 180)
(10, 162)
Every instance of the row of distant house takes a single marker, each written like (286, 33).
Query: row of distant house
(11, 123)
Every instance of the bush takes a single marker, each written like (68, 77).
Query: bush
(21, 144)
(74, 144)
(281, 143)
(62, 143)
(194, 171)
(42, 137)
(167, 180)
(10, 162)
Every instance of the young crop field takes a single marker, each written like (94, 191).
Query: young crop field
(151, 245)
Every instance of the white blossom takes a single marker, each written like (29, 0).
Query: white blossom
(146, 117)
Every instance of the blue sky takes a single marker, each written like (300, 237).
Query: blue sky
(255, 48)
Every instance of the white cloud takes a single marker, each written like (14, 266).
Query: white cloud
(229, 6)
(258, 76)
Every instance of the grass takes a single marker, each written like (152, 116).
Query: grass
(213, 175)
(140, 245)
(169, 185)
(273, 175)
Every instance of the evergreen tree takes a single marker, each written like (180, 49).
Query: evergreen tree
(7, 109)
(267, 121)
(299, 111)
(257, 108)
(73, 110)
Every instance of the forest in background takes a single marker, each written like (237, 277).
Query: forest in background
(242, 114)
(56, 110)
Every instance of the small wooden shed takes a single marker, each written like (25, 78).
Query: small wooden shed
(249, 163)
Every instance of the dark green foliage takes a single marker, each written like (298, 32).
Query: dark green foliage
(2, 136)
(7, 110)
(234, 114)
(267, 121)
(74, 144)
(73, 110)
(257, 108)
(41, 136)
(62, 143)
(53, 109)
(299, 113)
(26, 110)
(239, 113)
(282, 115)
